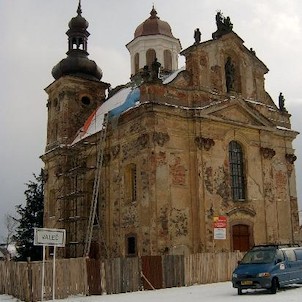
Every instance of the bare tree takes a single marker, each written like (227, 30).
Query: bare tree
(10, 229)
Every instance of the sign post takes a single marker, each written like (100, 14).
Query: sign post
(43, 274)
(49, 237)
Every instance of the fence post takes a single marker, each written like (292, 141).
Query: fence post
(30, 279)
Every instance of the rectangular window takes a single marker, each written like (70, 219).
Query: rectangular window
(131, 245)
(131, 183)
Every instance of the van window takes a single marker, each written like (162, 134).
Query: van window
(280, 255)
(298, 254)
(290, 254)
(259, 256)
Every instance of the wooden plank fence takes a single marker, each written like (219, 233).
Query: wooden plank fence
(23, 280)
(173, 271)
(122, 275)
(210, 267)
(119, 275)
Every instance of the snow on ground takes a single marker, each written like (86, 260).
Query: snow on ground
(217, 292)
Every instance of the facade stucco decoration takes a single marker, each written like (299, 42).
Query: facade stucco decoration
(268, 153)
(204, 142)
(115, 150)
(160, 138)
(241, 209)
(168, 167)
(291, 158)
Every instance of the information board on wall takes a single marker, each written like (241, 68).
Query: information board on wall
(220, 225)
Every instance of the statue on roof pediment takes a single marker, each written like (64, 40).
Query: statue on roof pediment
(224, 25)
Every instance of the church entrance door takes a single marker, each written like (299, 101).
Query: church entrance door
(241, 237)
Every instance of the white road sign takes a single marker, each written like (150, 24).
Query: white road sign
(49, 237)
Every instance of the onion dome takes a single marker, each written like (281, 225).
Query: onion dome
(77, 62)
(78, 22)
(153, 26)
(79, 66)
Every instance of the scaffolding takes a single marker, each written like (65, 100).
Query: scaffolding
(72, 197)
(78, 178)
(96, 186)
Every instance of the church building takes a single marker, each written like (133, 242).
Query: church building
(178, 160)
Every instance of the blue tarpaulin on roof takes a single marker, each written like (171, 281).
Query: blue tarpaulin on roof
(130, 101)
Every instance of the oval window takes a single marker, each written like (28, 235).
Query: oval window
(85, 100)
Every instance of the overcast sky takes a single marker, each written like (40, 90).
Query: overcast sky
(33, 40)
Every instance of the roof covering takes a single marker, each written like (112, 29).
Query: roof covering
(114, 106)
(153, 26)
(129, 97)
(120, 102)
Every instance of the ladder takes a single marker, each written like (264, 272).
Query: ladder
(96, 185)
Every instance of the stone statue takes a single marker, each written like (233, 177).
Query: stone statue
(229, 74)
(219, 19)
(197, 36)
(145, 73)
(224, 25)
(228, 24)
(253, 51)
(281, 103)
(155, 70)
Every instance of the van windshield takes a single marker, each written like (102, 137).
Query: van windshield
(259, 256)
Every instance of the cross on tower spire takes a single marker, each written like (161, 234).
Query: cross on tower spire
(79, 10)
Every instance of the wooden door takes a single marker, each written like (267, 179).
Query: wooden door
(241, 237)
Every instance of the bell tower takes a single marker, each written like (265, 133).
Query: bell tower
(154, 39)
(77, 90)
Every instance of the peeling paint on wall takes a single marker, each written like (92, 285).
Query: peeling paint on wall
(179, 222)
(208, 179)
(163, 221)
(178, 172)
(222, 185)
(130, 217)
(133, 149)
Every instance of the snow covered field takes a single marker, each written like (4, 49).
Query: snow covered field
(217, 292)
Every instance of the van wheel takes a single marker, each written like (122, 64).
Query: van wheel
(239, 291)
(274, 286)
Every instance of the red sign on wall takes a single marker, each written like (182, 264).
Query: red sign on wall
(220, 222)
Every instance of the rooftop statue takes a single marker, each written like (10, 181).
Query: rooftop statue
(197, 36)
(155, 67)
(281, 103)
(224, 25)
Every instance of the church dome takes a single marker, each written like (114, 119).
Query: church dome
(153, 26)
(79, 66)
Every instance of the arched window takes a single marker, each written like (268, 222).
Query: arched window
(150, 57)
(237, 171)
(136, 63)
(167, 60)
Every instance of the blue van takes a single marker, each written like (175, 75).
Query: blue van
(270, 267)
